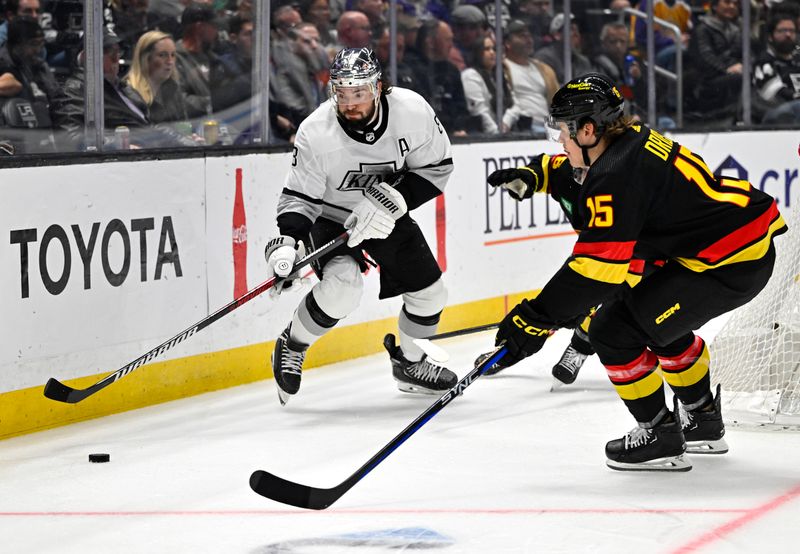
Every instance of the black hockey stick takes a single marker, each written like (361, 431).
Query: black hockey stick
(56, 390)
(465, 331)
(279, 489)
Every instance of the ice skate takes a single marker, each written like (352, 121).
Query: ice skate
(422, 377)
(703, 428)
(567, 368)
(660, 448)
(287, 365)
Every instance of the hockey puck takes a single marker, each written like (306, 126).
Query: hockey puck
(99, 458)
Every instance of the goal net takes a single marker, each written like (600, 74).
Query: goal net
(756, 355)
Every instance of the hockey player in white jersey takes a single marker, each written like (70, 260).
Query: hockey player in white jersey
(361, 161)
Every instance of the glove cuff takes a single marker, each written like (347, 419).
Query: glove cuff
(277, 242)
(535, 319)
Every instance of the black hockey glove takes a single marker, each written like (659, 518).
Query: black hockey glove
(524, 332)
(522, 182)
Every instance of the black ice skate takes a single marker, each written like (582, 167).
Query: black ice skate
(566, 370)
(703, 428)
(422, 377)
(659, 448)
(287, 365)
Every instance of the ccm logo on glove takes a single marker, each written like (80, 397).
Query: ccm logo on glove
(530, 329)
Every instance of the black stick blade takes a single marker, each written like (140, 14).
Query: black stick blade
(56, 390)
(294, 494)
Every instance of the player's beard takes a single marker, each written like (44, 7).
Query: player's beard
(360, 124)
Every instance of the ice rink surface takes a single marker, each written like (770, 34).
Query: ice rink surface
(507, 467)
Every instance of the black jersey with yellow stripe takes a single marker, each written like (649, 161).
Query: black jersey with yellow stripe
(648, 193)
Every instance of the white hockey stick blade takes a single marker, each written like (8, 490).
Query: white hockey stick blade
(435, 353)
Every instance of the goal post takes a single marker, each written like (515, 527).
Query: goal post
(756, 354)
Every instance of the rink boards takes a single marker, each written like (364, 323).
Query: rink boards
(102, 262)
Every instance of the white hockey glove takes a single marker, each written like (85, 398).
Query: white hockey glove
(374, 217)
(282, 253)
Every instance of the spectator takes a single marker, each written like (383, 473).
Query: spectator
(373, 9)
(480, 85)
(553, 54)
(776, 77)
(676, 12)
(295, 83)
(318, 12)
(23, 72)
(469, 25)
(196, 59)
(154, 78)
(533, 83)
(167, 15)
(131, 20)
(354, 30)
(614, 44)
(405, 75)
(244, 8)
(438, 80)
(408, 23)
(27, 88)
(30, 8)
(231, 78)
(120, 107)
(537, 14)
(283, 20)
(15, 8)
(224, 15)
(714, 81)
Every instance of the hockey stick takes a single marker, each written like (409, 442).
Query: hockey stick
(466, 331)
(295, 494)
(56, 390)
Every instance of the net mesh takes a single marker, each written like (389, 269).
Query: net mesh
(756, 355)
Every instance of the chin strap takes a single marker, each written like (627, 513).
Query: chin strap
(585, 149)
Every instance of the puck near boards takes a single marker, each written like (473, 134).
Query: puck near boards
(99, 458)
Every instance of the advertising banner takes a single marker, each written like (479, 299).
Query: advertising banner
(95, 257)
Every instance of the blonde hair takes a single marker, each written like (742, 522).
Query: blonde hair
(138, 76)
(619, 126)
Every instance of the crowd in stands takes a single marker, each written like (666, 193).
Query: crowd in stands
(172, 68)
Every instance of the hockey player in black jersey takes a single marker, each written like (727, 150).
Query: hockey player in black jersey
(641, 190)
(362, 161)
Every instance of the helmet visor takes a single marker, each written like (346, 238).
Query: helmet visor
(349, 96)
(558, 130)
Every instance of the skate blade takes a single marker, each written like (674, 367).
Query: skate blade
(416, 389)
(556, 384)
(566, 377)
(669, 463)
(718, 446)
(283, 396)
